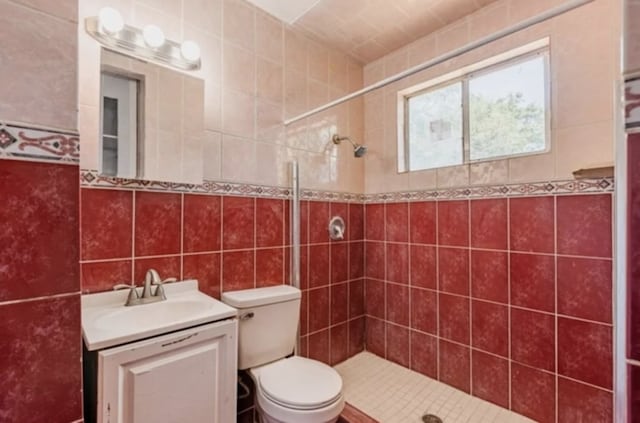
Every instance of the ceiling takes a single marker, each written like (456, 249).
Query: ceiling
(369, 29)
(286, 10)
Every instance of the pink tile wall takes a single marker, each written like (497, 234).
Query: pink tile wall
(507, 299)
(39, 57)
(258, 71)
(39, 293)
(231, 243)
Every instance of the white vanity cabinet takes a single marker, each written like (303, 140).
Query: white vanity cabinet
(188, 376)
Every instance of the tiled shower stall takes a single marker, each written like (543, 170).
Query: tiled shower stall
(509, 299)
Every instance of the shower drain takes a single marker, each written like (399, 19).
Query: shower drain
(430, 418)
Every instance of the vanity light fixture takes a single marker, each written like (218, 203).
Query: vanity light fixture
(109, 29)
(153, 36)
(190, 50)
(110, 20)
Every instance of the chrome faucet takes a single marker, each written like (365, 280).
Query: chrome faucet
(151, 278)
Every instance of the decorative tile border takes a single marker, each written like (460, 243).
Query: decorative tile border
(343, 197)
(632, 103)
(30, 143)
(91, 179)
(581, 186)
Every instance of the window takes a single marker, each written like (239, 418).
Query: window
(483, 112)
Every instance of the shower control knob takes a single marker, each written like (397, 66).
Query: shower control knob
(336, 228)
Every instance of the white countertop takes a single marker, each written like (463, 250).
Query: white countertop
(106, 321)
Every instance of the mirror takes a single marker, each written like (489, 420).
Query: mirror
(151, 121)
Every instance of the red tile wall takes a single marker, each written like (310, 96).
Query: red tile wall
(231, 243)
(633, 274)
(507, 299)
(332, 321)
(40, 374)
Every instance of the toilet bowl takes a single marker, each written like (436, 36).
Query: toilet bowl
(288, 389)
(299, 390)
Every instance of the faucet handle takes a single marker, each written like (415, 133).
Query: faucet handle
(133, 292)
(123, 286)
(168, 280)
(160, 288)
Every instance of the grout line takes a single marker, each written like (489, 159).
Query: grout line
(331, 293)
(41, 298)
(221, 239)
(508, 251)
(182, 237)
(133, 237)
(469, 290)
(348, 270)
(555, 304)
(438, 290)
(195, 253)
(409, 284)
(254, 243)
(509, 352)
(386, 278)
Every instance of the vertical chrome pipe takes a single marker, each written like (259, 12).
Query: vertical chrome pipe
(295, 225)
(620, 260)
(295, 235)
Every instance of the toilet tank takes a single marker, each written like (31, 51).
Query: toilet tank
(268, 323)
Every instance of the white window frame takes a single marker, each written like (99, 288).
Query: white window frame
(464, 75)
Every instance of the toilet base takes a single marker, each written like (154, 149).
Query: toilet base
(272, 412)
(265, 418)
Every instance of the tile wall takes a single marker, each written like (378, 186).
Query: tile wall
(39, 56)
(40, 373)
(40, 378)
(257, 72)
(230, 243)
(581, 131)
(632, 109)
(632, 352)
(509, 299)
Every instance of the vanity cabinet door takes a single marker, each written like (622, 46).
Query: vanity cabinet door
(186, 377)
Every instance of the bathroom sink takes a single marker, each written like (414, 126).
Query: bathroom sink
(162, 313)
(107, 322)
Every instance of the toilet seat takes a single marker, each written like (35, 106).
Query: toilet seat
(300, 384)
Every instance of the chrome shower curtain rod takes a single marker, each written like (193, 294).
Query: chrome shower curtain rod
(551, 13)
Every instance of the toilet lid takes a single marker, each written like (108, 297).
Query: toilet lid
(301, 383)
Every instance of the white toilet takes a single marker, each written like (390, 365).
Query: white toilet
(288, 390)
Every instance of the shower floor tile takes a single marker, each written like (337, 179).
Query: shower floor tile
(391, 393)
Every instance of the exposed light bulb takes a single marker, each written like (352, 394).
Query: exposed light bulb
(110, 20)
(153, 36)
(190, 50)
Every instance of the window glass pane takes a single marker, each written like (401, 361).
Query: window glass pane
(507, 110)
(435, 128)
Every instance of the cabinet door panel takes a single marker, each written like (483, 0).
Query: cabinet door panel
(176, 388)
(185, 377)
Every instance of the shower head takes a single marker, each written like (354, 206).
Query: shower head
(358, 149)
